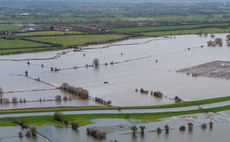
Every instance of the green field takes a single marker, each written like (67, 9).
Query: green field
(160, 28)
(18, 43)
(46, 33)
(77, 39)
(186, 32)
(19, 46)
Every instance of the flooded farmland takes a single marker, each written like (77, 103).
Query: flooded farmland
(149, 63)
(120, 130)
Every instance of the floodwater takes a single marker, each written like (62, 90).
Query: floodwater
(136, 68)
(219, 132)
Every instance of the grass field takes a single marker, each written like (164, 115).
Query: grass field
(18, 43)
(77, 39)
(19, 46)
(186, 32)
(160, 28)
(46, 33)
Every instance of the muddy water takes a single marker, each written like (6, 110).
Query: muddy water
(57, 134)
(136, 68)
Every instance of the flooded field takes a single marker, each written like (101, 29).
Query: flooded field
(121, 131)
(134, 67)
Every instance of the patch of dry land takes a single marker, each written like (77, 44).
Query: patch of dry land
(215, 69)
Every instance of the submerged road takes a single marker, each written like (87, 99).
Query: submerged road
(206, 106)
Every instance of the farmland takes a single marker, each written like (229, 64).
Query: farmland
(165, 28)
(78, 40)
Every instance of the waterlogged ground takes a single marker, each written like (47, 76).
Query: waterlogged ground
(136, 68)
(121, 130)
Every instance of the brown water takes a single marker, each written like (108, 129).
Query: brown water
(136, 68)
(219, 132)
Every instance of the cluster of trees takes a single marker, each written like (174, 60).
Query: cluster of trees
(96, 133)
(218, 41)
(157, 94)
(82, 93)
(99, 100)
(177, 99)
(13, 100)
(29, 133)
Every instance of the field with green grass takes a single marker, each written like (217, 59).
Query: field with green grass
(164, 28)
(186, 32)
(46, 33)
(18, 43)
(77, 39)
(19, 46)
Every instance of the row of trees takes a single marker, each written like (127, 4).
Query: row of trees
(104, 102)
(79, 91)
(166, 128)
(13, 100)
(96, 133)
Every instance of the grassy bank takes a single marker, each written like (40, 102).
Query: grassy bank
(86, 118)
(184, 104)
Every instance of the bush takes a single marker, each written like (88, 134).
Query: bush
(204, 125)
(182, 128)
(58, 116)
(14, 100)
(74, 125)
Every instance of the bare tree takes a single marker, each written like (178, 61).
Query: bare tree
(96, 62)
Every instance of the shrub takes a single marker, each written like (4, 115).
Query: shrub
(204, 125)
(74, 125)
(182, 128)
(58, 116)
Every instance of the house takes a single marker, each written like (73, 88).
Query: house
(24, 14)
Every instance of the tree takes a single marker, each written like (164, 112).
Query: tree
(1, 91)
(74, 125)
(182, 128)
(58, 116)
(26, 73)
(14, 100)
(134, 129)
(190, 126)
(159, 130)
(20, 134)
(228, 36)
(28, 133)
(33, 131)
(204, 125)
(96, 62)
(58, 98)
(142, 129)
(211, 124)
(166, 128)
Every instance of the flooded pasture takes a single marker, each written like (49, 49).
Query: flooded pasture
(120, 131)
(134, 67)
